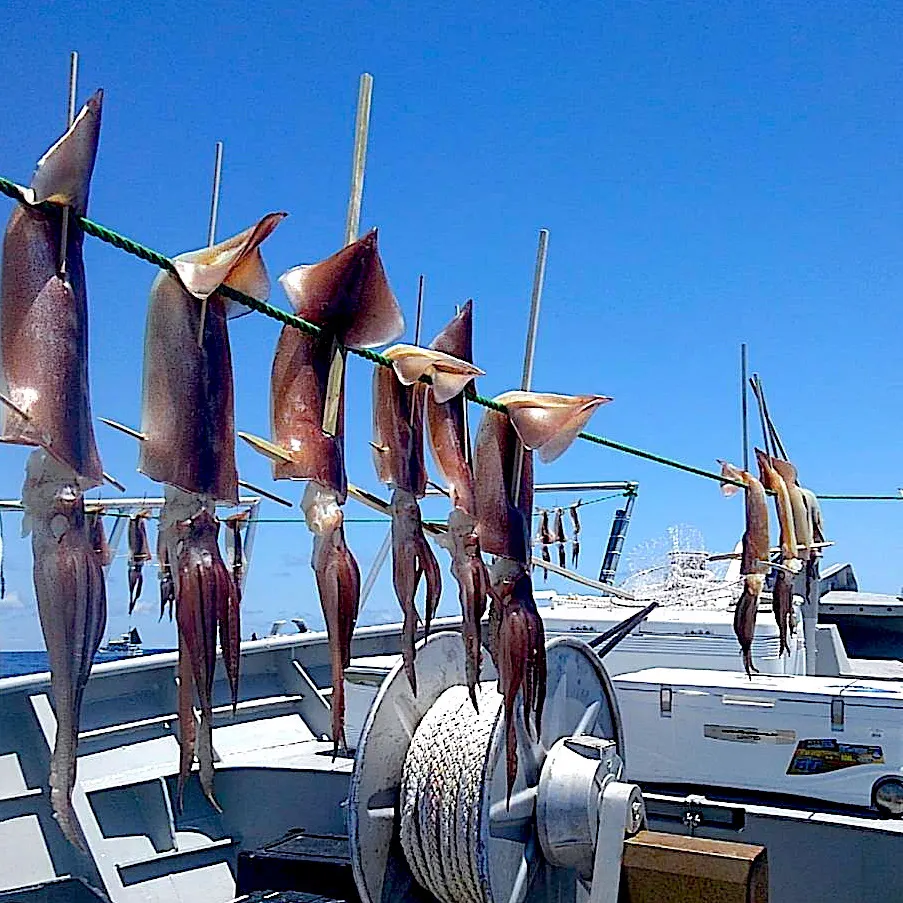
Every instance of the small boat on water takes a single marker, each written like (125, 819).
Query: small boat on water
(125, 646)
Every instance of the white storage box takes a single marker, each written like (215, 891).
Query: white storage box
(832, 739)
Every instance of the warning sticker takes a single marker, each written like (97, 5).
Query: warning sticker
(822, 756)
(747, 734)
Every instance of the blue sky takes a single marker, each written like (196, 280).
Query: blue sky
(710, 174)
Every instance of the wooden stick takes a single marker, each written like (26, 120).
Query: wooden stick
(418, 324)
(775, 438)
(754, 382)
(729, 556)
(266, 494)
(14, 407)
(336, 376)
(359, 158)
(211, 227)
(468, 451)
(141, 437)
(744, 412)
(539, 275)
(70, 118)
(113, 481)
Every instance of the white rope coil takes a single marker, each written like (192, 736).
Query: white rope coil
(441, 794)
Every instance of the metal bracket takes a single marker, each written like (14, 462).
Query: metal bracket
(621, 811)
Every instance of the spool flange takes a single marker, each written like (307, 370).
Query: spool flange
(580, 701)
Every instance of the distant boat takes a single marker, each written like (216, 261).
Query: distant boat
(127, 645)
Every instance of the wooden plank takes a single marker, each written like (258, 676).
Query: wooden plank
(677, 868)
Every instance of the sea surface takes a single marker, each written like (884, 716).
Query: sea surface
(15, 663)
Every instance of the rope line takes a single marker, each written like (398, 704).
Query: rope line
(12, 190)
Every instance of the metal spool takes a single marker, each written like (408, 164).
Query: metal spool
(515, 852)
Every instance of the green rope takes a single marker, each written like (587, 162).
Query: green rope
(10, 189)
(862, 498)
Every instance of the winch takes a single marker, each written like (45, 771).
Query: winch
(429, 815)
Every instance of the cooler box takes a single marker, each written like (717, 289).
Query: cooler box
(825, 738)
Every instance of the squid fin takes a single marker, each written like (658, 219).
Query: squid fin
(63, 174)
(349, 294)
(236, 262)
(547, 422)
(449, 375)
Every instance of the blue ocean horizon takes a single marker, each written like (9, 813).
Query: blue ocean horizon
(13, 664)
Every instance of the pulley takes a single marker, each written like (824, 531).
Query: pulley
(429, 817)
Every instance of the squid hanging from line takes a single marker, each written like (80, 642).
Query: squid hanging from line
(560, 537)
(546, 539)
(547, 423)
(139, 555)
(72, 604)
(189, 445)
(349, 298)
(235, 547)
(398, 411)
(754, 562)
(165, 576)
(99, 537)
(782, 589)
(449, 439)
(46, 403)
(575, 543)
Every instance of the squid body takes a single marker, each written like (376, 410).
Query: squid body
(504, 507)
(754, 562)
(189, 445)
(349, 298)
(46, 403)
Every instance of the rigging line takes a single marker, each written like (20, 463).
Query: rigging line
(11, 190)
(602, 498)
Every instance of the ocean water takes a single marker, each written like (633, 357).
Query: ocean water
(15, 663)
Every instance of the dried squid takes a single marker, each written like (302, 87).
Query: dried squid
(450, 445)
(349, 298)
(504, 505)
(46, 403)
(189, 445)
(754, 561)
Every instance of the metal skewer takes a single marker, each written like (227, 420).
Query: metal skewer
(539, 275)
(211, 228)
(70, 118)
(352, 226)
(265, 493)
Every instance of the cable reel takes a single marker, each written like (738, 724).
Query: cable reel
(428, 814)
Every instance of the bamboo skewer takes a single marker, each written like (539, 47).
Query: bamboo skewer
(539, 275)
(70, 118)
(211, 226)
(265, 493)
(352, 225)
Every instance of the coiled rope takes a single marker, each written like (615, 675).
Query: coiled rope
(441, 794)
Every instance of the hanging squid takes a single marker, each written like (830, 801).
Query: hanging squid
(754, 562)
(575, 543)
(165, 577)
(449, 439)
(560, 537)
(139, 555)
(99, 537)
(72, 604)
(782, 590)
(349, 298)
(504, 505)
(235, 547)
(398, 408)
(46, 403)
(545, 540)
(189, 445)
